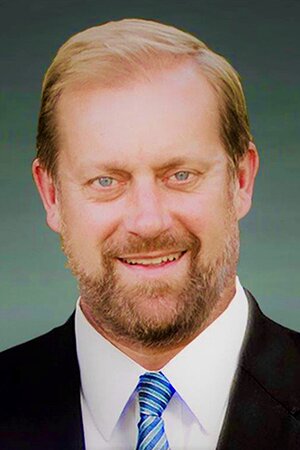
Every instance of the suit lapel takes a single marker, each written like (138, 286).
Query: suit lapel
(256, 420)
(64, 419)
(264, 401)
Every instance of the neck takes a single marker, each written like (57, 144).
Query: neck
(154, 359)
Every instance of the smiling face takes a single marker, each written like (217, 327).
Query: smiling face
(146, 208)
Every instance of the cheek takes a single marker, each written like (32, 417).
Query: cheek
(207, 217)
(201, 212)
(88, 225)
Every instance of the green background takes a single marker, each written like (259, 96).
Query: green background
(261, 39)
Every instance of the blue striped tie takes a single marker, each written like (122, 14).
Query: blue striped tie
(155, 392)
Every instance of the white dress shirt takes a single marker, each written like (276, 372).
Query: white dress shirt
(201, 373)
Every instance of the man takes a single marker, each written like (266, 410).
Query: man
(145, 165)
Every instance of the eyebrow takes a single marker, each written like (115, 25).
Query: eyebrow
(117, 166)
(171, 164)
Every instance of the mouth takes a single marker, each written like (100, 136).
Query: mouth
(152, 261)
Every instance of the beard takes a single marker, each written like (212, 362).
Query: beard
(156, 313)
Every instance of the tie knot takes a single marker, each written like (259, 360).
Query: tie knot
(155, 392)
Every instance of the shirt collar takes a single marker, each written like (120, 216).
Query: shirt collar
(213, 358)
(109, 377)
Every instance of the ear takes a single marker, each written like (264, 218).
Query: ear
(49, 195)
(246, 174)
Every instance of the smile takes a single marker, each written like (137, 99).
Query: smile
(153, 261)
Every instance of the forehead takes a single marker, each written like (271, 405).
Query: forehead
(161, 117)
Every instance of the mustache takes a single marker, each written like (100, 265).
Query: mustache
(165, 242)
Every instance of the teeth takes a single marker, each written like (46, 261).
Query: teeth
(153, 261)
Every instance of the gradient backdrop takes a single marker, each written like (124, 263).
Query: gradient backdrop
(260, 38)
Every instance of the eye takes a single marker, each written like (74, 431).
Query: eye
(182, 175)
(106, 181)
(106, 188)
(182, 179)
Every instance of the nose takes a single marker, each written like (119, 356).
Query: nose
(147, 212)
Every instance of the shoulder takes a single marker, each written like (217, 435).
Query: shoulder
(45, 348)
(265, 331)
(40, 395)
(271, 356)
(34, 371)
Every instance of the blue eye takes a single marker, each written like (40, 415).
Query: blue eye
(182, 175)
(105, 181)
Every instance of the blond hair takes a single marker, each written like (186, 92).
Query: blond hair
(128, 50)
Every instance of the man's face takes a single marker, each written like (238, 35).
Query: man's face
(146, 205)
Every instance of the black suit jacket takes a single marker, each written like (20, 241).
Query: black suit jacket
(40, 391)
